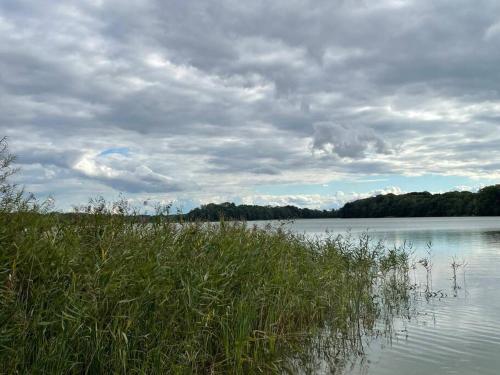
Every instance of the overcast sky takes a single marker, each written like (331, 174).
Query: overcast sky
(311, 103)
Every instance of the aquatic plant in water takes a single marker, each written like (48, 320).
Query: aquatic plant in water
(101, 292)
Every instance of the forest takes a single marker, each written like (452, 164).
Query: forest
(215, 212)
(486, 202)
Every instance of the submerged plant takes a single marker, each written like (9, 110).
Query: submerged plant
(427, 264)
(455, 266)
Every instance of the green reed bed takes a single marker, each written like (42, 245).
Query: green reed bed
(101, 293)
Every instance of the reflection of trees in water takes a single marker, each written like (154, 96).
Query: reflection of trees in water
(491, 238)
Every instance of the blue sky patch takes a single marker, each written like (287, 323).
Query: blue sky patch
(116, 150)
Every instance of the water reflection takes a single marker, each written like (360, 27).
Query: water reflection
(457, 334)
(491, 237)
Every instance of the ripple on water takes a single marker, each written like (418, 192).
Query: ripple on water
(452, 335)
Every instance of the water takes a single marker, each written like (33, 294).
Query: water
(457, 334)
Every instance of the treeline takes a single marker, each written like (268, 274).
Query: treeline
(486, 202)
(215, 212)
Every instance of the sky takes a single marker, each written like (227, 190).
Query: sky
(311, 103)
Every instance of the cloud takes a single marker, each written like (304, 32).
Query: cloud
(234, 96)
(316, 201)
(344, 142)
(125, 174)
(49, 157)
(492, 31)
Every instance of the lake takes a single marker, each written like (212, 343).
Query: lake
(456, 332)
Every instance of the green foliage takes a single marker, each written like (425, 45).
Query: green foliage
(10, 196)
(486, 202)
(103, 291)
(101, 294)
(216, 212)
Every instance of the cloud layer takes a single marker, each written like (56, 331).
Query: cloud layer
(213, 99)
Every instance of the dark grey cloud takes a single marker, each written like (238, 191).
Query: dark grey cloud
(345, 142)
(233, 95)
(49, 157)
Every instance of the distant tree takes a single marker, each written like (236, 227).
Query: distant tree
(12, 198)
(8, 194)
(488, 201)
(484, 203)
(230, 211)
(6, 160)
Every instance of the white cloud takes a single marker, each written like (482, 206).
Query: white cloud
(125, 174)
(217, 100)
(492, 31)
(316, 201)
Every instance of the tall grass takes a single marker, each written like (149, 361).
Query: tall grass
(100, 293)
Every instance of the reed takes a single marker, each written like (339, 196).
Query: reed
(99, 292)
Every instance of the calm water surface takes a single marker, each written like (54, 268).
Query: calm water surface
(457, 334)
